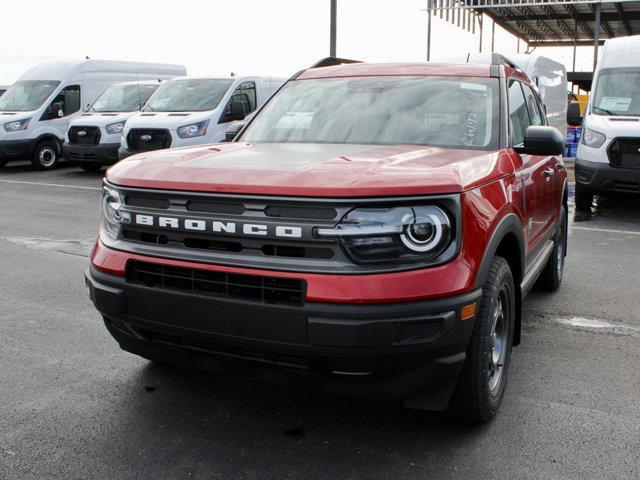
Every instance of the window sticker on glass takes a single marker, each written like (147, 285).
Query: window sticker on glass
(620, 104)
(295, 120)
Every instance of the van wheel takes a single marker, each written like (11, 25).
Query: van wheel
(584, 200)
(483, 380)
(551, 277)
(46, 155)
(90, 168)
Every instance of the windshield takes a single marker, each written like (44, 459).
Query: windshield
(124, 98)
(188, 95)
(440, 111)
(617, 92)
(26, 95)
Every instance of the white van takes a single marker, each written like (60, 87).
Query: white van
(194, 111)
(93, 139)
(35, 112)
(548, 75)
(608, 158)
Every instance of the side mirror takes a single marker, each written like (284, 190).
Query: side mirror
(233, 131)
(236, 111)
(542, 141)
(57, 109)
(573, 114)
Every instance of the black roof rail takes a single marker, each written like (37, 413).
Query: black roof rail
(332, 61)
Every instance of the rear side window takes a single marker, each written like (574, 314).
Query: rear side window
(535, 114)
(518, 112)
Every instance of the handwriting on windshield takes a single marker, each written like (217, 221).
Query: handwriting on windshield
(471, 126)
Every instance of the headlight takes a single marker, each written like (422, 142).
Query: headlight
(17, 125)
(114, 128)
(412, 234)
(111, 215)
(193, 130)
(591, 138)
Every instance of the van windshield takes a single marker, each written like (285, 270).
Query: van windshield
(189, 95)
(124, 98)
(27, 95)
(617, 92)
(441, 111)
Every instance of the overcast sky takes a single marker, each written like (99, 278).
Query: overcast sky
(271, 37)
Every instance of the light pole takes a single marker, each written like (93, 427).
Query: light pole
(332, 33)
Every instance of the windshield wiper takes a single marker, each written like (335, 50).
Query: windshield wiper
(608, 112)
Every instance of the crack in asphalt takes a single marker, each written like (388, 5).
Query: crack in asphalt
(78, 248)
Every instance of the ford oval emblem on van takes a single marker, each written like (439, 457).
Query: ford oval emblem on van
(145, 138)
(82, 133)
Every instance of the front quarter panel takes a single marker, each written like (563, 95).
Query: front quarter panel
(489, 212)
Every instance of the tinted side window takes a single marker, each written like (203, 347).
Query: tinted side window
(68, 98)
(534, 107)
(245, 93)
(518, 113)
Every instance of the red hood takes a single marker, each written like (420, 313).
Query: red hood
(313, 170)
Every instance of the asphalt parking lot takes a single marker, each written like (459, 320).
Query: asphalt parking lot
(73, 406)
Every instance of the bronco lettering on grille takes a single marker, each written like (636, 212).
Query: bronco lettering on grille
(201, 225)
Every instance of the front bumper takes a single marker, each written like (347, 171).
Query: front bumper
(411, 352)
(17, 149)
(101, 154)
(600, 177)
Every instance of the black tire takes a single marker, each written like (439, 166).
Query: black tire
(90, 168)
(551, 277)
(46, 156)
(479, 392)
(584, 200)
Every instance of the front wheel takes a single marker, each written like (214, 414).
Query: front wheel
(482, 384)
(46, 155)
(584, 200)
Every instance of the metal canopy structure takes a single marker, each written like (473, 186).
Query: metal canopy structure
(543, 23)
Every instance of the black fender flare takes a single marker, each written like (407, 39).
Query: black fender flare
(509, 224)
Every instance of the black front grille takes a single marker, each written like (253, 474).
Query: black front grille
(145, 140)
(625, 153)
(84, 135)
(271, 290)
(226, 244)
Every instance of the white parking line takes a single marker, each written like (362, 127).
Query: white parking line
(606, 230)
(57, 185)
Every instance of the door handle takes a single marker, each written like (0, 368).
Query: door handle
(549, 172)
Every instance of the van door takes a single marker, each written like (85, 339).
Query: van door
(531, 171)
(58, 113)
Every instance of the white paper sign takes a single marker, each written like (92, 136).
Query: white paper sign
(620, 104)
(297, 120)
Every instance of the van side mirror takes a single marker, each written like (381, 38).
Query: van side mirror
(233, 131)
(542, 140)
(236, 111)
(57, 109)
(573, 114)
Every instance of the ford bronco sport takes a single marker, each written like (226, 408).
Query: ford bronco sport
(372, 231)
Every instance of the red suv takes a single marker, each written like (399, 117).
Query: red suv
(372, 231)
